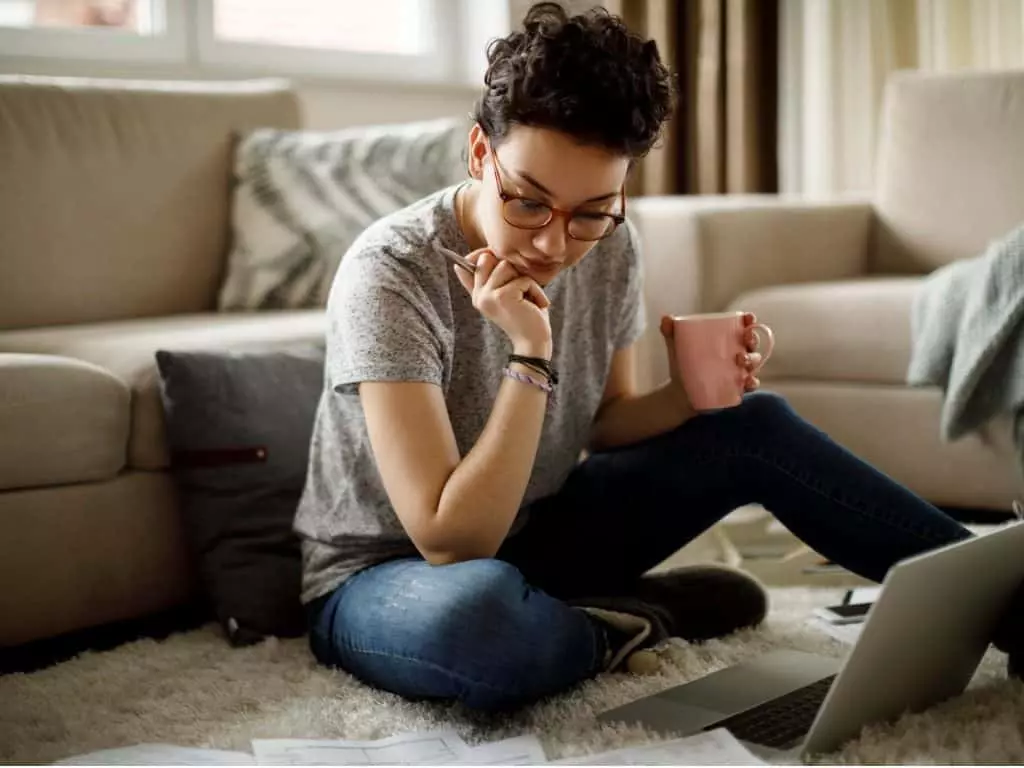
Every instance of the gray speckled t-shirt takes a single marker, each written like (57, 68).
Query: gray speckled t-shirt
(397, 312)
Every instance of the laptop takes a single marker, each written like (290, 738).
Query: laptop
(921, 643)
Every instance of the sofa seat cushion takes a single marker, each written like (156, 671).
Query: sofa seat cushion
(851, 330)
(127, 349)
(61, 421)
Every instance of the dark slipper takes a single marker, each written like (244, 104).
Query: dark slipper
(694, 603)
(705, 601)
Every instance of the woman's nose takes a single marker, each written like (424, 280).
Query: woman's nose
(550, 239)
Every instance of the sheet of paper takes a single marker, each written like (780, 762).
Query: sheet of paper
(160, 754)
(519, 750)
(424, 748)
(717, 747)
(845, 633)
(865, 594)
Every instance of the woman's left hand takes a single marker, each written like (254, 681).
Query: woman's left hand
(751, 361)
(753, 358)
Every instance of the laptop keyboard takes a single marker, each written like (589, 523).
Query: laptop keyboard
(781, 722)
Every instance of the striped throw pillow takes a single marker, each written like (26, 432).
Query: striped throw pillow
(302, 197)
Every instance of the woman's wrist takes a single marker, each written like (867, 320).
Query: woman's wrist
(542, 350)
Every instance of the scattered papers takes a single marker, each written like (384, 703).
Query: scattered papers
(430, 748)
(160, 754)
(717, 747)
(519, 750)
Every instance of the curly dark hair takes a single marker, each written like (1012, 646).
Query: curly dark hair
(585, 75)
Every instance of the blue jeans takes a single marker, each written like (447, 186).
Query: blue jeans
(499, 633)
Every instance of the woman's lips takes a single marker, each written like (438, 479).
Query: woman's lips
(540, 267)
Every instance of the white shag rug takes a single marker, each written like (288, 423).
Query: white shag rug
(194, 690)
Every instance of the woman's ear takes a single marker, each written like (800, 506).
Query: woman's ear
(477, 152)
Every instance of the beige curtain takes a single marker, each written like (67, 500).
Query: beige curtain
(723, 135)
(834, 61)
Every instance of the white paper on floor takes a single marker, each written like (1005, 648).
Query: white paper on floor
(430, 748)
(519, 750)
(160, 754)
(717, 747)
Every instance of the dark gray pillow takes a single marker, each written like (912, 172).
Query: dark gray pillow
(238, 427)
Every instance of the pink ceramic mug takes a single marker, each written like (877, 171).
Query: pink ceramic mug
(710, 350)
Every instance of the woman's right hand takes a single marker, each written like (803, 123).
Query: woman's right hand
(513, 302)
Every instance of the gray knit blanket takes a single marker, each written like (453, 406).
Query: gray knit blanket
(967, 327)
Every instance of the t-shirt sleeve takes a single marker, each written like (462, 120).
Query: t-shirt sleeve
(381, 326)
(633, 319)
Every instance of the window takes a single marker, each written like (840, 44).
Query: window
(372, 38)
(411, 40)
(123, 15)
(381, 26)
(89, 29)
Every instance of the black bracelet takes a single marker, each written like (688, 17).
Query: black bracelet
(538, 364)
(536, 369)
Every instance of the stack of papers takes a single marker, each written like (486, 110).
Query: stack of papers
(717, 747)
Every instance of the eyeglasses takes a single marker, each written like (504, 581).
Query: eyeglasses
(526, 213)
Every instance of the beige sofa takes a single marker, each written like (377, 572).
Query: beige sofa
(836, 280)
(114, 228)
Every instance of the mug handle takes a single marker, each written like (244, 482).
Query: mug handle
(771, 343)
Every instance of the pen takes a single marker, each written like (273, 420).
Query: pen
(452, 256)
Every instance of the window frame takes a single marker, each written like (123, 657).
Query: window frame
(187, 48)
(84, 43)
(439, 17)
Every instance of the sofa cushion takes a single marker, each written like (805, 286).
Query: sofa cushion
(61, 421)
(239, 426)
(301, 198)
(115, 193)
(127, 348)
(83, 555)
(851, 330)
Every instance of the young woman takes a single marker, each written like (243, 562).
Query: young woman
(454, 544)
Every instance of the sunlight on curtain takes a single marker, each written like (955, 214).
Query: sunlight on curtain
(834, 61)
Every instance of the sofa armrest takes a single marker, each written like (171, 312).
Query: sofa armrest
(701, 253)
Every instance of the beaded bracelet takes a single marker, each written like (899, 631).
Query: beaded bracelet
(539, 364)
(542, 371)
(543, 385)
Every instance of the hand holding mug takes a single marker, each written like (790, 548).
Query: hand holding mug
(715, 358)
